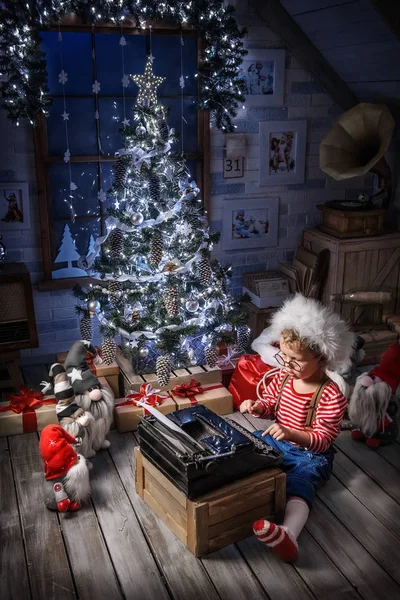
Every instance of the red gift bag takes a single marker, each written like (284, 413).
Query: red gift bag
(248, 372)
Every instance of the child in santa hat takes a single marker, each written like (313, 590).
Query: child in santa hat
(308, 408)
(372, 405)
(66, 482)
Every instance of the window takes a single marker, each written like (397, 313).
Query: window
(87, 54)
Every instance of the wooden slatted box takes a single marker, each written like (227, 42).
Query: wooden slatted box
(219, 518)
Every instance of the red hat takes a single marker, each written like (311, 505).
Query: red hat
(389, 368)
(56, 451)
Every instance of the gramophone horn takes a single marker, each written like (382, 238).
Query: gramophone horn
(357, 142)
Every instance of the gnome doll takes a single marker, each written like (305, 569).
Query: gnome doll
(66, 482)
(70, 415)
(89, 393)
(373, 405)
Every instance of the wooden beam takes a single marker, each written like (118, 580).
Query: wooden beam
(389, 10)
(279, 20)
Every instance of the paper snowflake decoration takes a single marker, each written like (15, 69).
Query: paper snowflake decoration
(73, 186)
(65, 116)
(59, 36)
(182, 81)
(126, 122)
(101, 195)
(184, 228)
(147, 83)
(122, 41)
(97, 115)
(96, 87)
(125, 81)
(67, 156)
(63, 77)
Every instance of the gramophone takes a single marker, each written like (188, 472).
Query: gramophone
(354, 146)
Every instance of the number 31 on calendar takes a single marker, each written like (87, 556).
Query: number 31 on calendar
(233, 167)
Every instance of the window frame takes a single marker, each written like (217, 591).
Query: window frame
(43, 160)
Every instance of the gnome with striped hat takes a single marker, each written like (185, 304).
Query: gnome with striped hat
(74, 419)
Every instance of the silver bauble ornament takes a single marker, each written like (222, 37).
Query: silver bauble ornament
(137, 218)
(192, 305)
(93, 306)
(143, 352)
(3, 251)
(141, 130)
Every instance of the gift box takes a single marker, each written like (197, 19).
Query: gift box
(26, 412)
(110, 372)
(215, 396)
(129, 410)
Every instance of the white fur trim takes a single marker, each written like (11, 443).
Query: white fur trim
(316, 322)
(265, 349)
(76, 481)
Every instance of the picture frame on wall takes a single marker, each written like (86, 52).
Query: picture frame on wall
(250, 222)
(282, 152)
(263, 74)
(14, 206)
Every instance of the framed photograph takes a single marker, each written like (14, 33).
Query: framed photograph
(250, 222)
(282, 152)
(14, 206)
(263, 73)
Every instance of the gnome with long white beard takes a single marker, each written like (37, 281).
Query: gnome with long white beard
(89, 393)
(66, 482)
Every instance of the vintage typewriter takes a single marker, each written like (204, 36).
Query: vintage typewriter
(202, 451)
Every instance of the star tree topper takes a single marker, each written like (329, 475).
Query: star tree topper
(147, 83)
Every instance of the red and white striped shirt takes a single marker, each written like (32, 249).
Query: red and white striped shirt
(293, 408)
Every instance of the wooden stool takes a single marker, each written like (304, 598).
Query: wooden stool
(218, 518)
(15, 378)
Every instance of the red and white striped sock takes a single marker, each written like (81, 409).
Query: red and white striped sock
(278, 538)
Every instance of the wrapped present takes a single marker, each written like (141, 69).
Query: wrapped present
(26, 412)
(129, 410)
(215, 396)
(100, 369)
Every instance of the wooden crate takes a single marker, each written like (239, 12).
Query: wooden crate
(258, 318)
(132, 381)
(109, 372)
(359, 263)
(376, 344)
(351, 223)
(216, 519)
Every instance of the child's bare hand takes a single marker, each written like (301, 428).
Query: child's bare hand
(254, 407)
(278, 432)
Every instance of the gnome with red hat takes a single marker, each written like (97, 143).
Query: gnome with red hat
(66, 482)
(373, 406)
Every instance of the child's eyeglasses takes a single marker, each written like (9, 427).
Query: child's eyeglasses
(292, 364)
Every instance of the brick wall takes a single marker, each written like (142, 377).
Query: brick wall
(304, 99)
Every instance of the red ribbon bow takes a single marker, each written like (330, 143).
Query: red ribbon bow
(147, 395)
(188, 390)
(25, 400)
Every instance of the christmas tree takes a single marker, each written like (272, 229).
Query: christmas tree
(160, 291)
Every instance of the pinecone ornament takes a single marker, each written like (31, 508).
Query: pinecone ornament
(116, 243)
(156, 250)
(154, 189)
(211, 356)
(243, 337)
(163, 370)
(163, 128)
(108, 350)
(171, 301)
(121, 171)
(86, 327)
(204, 270)
(114, 290)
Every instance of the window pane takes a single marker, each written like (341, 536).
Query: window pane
(81, 127)
(189, 131)
(107, 178)
(84, 198)
(167, 52)
(109, 61)
(111, 117)
(76, 51)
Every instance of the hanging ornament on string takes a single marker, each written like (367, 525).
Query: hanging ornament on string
(121, 172)
(114, 290)
(147, 84)
(163, 370)
(162, 126)
(192, 305)
(211, 354)
(93, 307)
(204, 270)
(108, 350)
(136, 219)
(143, 351)
(171, 301)
(141, 131)
(156, 248)
(243, 337)
(154, 189)
(86, 327)
(116, 238)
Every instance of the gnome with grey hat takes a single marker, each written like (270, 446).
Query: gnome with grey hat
(89, 393)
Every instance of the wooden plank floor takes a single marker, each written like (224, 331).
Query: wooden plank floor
(116, 547)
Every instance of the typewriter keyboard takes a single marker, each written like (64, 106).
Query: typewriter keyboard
(258, 444)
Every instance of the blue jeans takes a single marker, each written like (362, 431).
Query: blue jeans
(305, 470)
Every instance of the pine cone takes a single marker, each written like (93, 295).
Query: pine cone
(156, 250)
(116, 243)
(108, 350)
(171, 301)
(114, 289)
(243, 337)
(86, 327)
(205, 270)
(163, 370)
(121, 170)
(154, 189)
(211, 356)
(163, 128)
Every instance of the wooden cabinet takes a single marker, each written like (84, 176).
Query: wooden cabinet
(357, 263)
